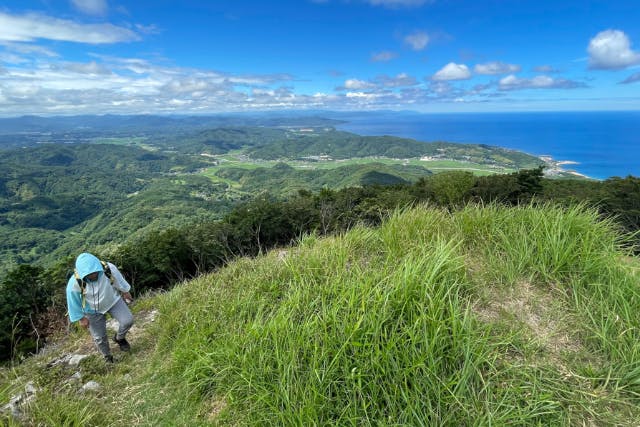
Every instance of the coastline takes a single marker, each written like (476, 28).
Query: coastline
(555, 168)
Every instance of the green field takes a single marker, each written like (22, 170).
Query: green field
(236, 161)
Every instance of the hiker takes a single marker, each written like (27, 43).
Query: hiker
(92, 291)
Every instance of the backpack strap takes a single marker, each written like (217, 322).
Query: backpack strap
(83, 285)
(107, 272)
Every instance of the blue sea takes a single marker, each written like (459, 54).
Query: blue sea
(604, 144)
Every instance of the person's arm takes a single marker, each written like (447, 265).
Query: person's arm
(121, 283)
(74, 305)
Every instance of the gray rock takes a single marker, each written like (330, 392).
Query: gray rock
(75, 359)
(30, 388)
(91, 386)
(16, 400)
(58, 361)
(76, 377)
(112, 324)
(13, 407)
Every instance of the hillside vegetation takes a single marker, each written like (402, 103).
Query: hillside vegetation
(483, 316)
(95, 182)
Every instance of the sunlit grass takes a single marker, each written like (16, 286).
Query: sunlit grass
(484, 316)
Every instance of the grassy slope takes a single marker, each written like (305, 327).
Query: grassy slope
(487, 316)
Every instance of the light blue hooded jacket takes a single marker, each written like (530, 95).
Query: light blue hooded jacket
(100, 295)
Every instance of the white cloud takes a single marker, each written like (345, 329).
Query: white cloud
(441, 88)
(91, 7)
(398, 3)
(631, 79)
(495, 67)
(27, 48)
(383, 56)
(401, 80)
(87, 68)
(611, 50)
(30, 27)
(452, 71)
(356, 84)
(134, 85)
(512, 82)
(12, 58)
(417, 40)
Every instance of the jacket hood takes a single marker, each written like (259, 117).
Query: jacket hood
(87, 264)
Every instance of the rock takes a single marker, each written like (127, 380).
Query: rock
(127, 377)
(13, 407)
(70, 359)
(76, 377)
(75, 359)
(58, 361)
(112, 324)
(30, 388)
(91, 386)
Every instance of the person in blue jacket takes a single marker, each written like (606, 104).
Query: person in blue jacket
(94, 290)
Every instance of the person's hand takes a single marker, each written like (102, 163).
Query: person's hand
(84, 322)
(127, 297)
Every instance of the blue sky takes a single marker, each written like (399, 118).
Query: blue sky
(162, 56)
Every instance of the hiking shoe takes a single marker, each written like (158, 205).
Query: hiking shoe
(108, 358)
(123, 343)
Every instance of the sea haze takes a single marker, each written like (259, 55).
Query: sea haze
(604, 144)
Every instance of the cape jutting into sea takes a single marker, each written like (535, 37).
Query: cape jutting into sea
(603, 144)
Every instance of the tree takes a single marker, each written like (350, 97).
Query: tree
(23, 297)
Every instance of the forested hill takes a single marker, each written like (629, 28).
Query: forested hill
(84, 182)
(345, 145)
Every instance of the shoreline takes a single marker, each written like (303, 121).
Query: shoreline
(555, 168)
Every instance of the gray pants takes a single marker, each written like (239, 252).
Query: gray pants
(98, 325)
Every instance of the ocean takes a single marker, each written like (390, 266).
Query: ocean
(603, 144)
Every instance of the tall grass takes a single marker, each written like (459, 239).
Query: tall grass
(375, 327)
(582, 253)
(380, 327)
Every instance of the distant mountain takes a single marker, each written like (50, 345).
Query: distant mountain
(150, 123)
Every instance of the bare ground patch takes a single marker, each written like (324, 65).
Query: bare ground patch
(547, 319)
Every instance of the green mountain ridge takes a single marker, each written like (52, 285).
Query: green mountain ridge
(482, 316)
(57, 199)
(289, 180)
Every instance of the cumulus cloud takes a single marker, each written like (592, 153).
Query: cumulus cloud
(452, 71)
(356, 84)
(134, 85)
(91, 7)
(512, 82)
(631, 79)
(401, 80)
(384, 56)
(495, 67)
(417, 40)
(30, 27)
(380, 84)
(398, 3)
(611, 50)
